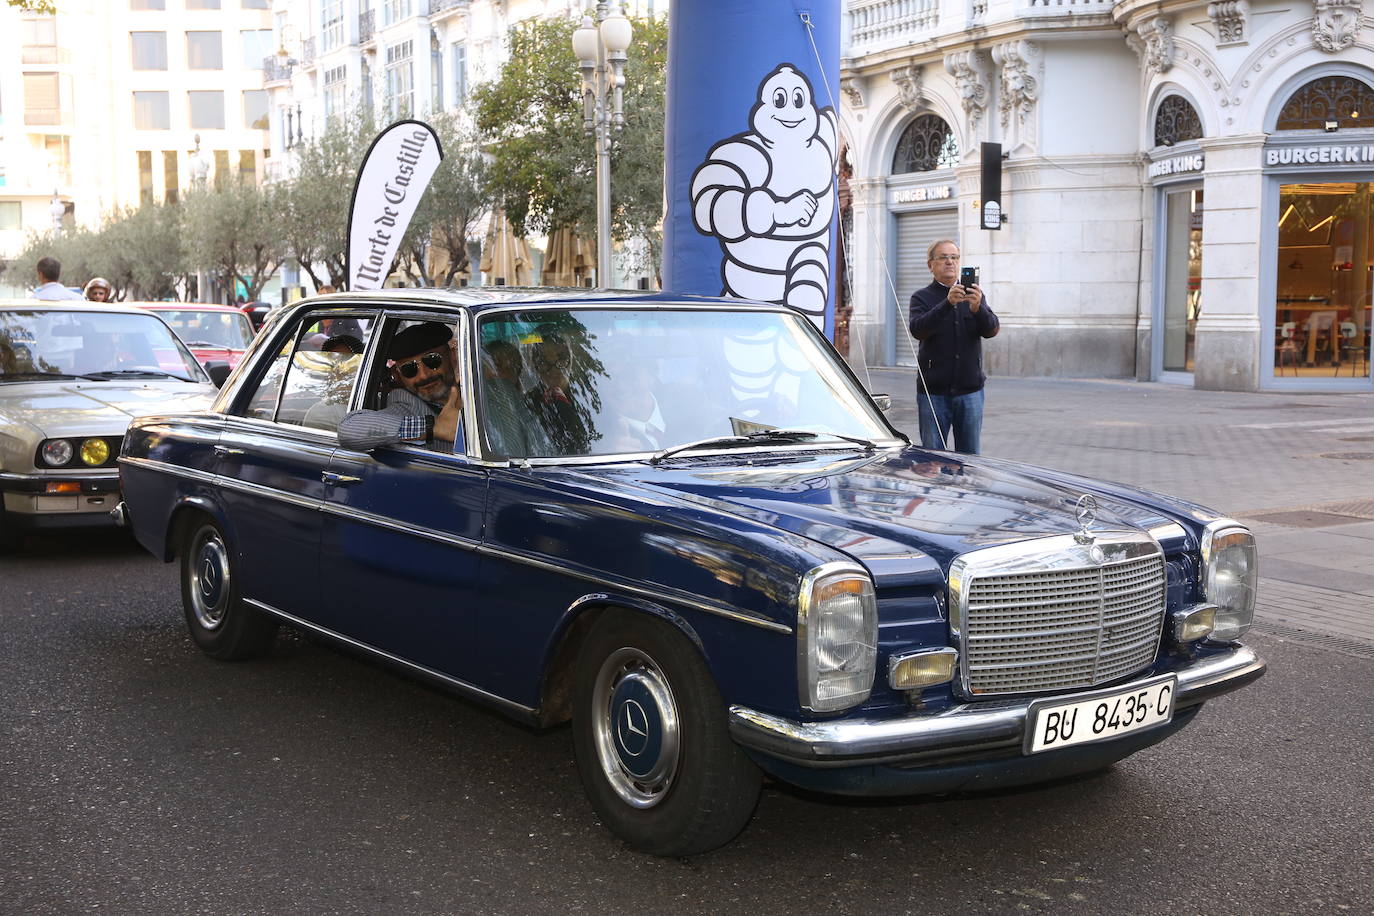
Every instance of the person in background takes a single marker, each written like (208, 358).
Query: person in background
(98, 289)
(563, 419)
(49, 269)
(426, 408)
(951, 322)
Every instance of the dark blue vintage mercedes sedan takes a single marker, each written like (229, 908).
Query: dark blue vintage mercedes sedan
(683, 525)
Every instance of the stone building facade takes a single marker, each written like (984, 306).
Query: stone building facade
(1186, 186)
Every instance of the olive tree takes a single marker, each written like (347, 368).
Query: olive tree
(450, 209)
(543, 161)
(234, 233)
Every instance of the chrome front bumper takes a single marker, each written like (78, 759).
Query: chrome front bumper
(970, 729)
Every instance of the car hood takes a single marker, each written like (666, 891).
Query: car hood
(899, 505)
(54, 409)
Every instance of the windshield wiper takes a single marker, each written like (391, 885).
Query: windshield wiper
(763, 436)
(205, 343)
(134, 373)
(33, 375)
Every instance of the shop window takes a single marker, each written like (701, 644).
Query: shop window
(1176, 121)
(1328, 103)
(1182, 277)
(1326, 247)
(926, 144)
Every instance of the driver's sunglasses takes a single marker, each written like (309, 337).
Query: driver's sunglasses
(411, 367)
(558, 362)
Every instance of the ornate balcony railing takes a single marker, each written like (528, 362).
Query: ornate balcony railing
(275, 70)
(367, 27)
(884, 23)
(440, 6)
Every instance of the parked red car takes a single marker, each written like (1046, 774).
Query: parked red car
(213, 332)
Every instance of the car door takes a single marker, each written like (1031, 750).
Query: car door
(272, 458)
(400, 539)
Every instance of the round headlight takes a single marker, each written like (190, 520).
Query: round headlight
(57, 452)
(95, 452)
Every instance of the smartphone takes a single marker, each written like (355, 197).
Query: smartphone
(968, 276)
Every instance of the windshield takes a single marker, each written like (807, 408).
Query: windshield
(86, 342)
(209, 329)
(615, 381)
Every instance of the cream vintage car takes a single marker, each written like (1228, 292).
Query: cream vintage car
(72, 376)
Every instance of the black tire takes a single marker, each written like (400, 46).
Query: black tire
(220, 622)
(680, 786)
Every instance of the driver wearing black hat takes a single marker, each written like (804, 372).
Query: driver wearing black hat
(427, 407)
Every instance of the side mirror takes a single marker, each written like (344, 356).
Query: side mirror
(883, 401)
(218, 372)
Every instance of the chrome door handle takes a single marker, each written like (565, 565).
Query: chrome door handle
(225, 451)
(341, 480)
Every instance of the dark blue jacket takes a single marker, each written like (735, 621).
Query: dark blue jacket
(951, 336)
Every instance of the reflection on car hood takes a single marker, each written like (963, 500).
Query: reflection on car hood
(898, 504)
(96, 408)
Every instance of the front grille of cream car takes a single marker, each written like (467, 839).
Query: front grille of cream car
(1061, 621)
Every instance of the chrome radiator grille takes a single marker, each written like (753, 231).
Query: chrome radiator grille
(1055, 622)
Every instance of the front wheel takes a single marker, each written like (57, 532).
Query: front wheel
(652, 744)
(220, 623)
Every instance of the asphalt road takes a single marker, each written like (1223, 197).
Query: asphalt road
(138, 776)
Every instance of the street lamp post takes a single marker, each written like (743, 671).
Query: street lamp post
(600, 48)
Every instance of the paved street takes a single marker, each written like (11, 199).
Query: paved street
(138, 776)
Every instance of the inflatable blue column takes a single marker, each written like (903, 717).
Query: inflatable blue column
(750, 148)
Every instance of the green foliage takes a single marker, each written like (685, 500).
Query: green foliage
(543, 161)
(35, 6)
(315, 226)
(233, 232)
(138, 250)
(450, 209)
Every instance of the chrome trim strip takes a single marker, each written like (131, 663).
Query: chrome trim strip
(163, 467)
(58, 475)
(669, 595)
(963, 729)
(661, 594)
(463, 686)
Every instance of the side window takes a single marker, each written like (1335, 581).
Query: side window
(312, 375)
(322, 370)
(263, 404)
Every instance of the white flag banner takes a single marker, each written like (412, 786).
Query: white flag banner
(391, 181)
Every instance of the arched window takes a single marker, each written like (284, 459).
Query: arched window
(1340, 100)
(927, 143)
(1176, 121)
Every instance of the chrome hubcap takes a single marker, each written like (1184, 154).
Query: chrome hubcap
(209, 579)
(636, 727)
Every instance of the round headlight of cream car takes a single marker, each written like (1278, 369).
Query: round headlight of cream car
(56, 452)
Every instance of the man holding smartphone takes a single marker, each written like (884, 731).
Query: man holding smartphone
(950, 318)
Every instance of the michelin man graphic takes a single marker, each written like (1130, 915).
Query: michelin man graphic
(768, 196)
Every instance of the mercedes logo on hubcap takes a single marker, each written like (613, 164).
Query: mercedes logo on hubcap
(632, 728)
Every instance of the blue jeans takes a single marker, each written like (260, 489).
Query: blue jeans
(961, 414)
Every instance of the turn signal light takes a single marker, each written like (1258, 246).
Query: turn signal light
(922, 669)
(1194, 623)
(70, 486)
